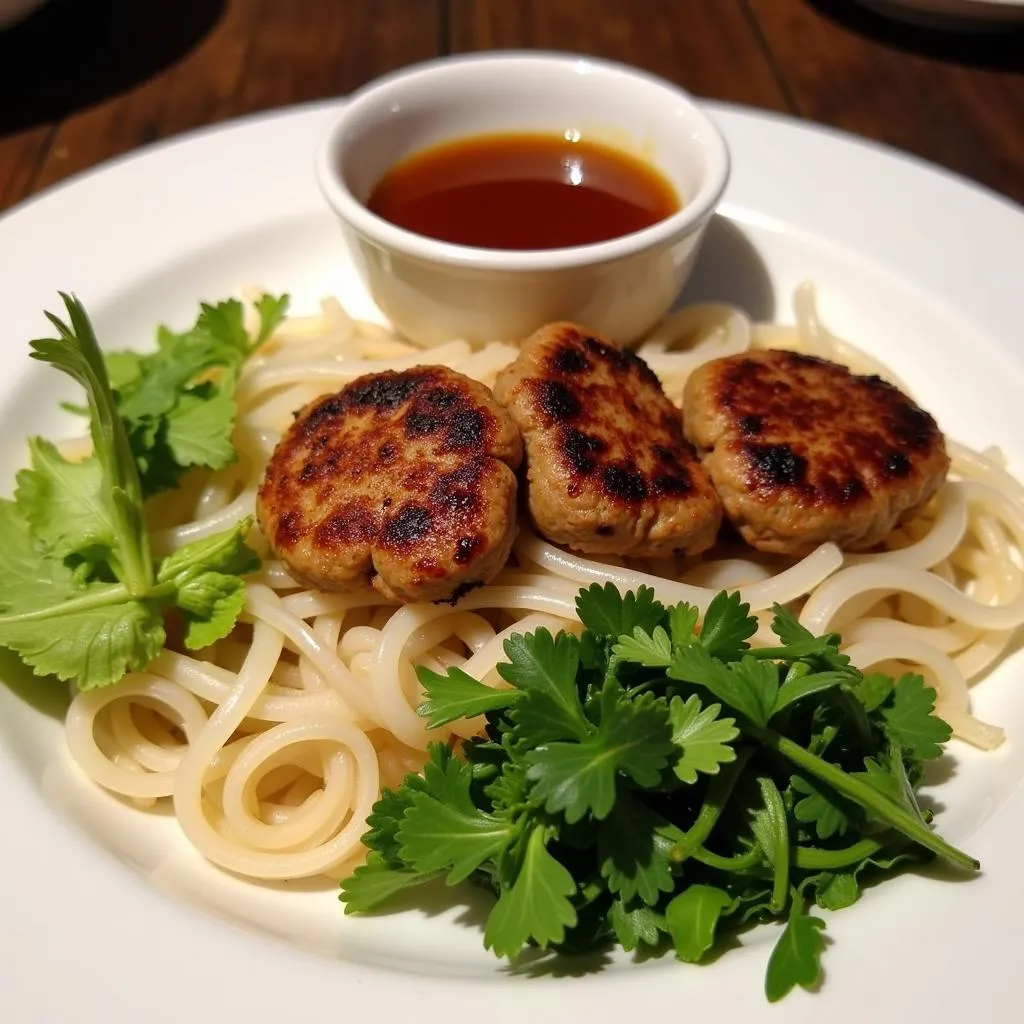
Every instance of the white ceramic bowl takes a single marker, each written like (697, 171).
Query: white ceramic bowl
(432, 290)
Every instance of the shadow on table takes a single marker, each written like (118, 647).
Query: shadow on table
(71, 54)
(998, 47)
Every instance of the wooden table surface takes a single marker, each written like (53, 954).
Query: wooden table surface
(86, 80)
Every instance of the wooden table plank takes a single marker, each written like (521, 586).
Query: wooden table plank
(709, 47)
(260, 54)
(910, 88)
(310, 49)
(21, 156)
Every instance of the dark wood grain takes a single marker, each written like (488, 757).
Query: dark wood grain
(954, 100)
(260, 54)
(85, 82)
(21, 156)
(707, 46)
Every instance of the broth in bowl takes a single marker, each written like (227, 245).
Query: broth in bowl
(524, 190)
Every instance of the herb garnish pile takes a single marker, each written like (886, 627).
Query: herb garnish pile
(81, 596)
(656, 784)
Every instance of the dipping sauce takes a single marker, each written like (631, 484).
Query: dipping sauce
(523, 191)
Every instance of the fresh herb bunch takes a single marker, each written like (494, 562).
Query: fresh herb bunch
(81, 596)
(177, 403)
(654, 784)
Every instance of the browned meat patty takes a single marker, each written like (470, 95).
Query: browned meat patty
(803, 451)
(405, 480)
(608, 468)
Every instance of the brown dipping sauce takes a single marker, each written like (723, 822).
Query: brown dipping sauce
(523, 191)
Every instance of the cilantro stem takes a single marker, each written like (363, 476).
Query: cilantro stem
(877, 804)
(813, 858)
(739, 863)
(718, 794)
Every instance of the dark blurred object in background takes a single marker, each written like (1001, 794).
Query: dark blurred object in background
(996, 45)
(71, 54)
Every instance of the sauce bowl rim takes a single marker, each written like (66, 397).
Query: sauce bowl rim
(709, 141)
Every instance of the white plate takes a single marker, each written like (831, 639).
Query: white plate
(106, 916)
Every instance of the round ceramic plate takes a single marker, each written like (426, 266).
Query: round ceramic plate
(106, 914)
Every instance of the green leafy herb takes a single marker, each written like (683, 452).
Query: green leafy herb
(580, 777)
(692, 917)
(536, 906)
(702, 736)
(177, 403)
(796, 958)
(658, 781)
(816, 806)
(80, 594)
(909, 718)
(458, 695)
(635, 925)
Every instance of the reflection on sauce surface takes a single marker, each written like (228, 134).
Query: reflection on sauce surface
(523, 191)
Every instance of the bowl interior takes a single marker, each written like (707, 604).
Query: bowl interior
(604, 103)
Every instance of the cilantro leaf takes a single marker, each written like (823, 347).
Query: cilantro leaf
(580, 777)
(825, 810)
(703, 737)
(873, 690)
(606, 612)
(692, 917)
(651, 649)
(536, 906)
(272, 310)
(545, 667)
(749, 686)
(375, 882)
(198, 429)
(458, 695)
(224, 322)
(454, 836)
(682, 624)
(799, 642)
(634, 925)
(786, 626)
(836, 890)
(382, 823)
(797, 687)
(123, 370)
(796, 958)
(177, 402)
(727, 626)
(911, 721)
(633, 848)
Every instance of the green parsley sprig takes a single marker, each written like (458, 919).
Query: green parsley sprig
(80, 595)
(656, 784)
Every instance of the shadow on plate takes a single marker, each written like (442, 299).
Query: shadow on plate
(69, 55)
(45, 694)
(992, 45)
(729, 269)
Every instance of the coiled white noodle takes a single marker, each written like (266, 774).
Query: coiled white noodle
(274, 743)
